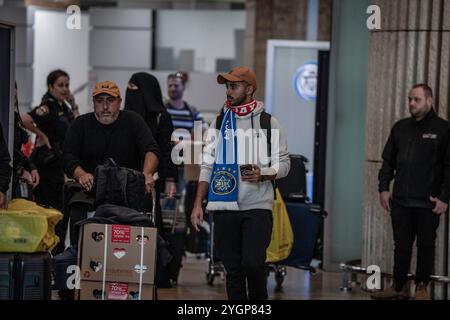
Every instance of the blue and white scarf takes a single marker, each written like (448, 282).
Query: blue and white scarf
(223, 187)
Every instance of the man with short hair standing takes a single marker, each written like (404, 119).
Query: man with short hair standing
(238, 183)
(183, 114)
(417, 157)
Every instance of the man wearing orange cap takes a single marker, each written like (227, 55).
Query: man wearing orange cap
(236, 175)
(108, 132)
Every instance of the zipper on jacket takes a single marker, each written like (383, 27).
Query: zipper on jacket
(408, 160)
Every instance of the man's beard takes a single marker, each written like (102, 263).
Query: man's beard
(237, 102)
(106, 118)
(175, 96)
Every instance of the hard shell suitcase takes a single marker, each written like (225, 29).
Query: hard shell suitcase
(25, 276)
(293, 186)
(33, 281)
(7, 265)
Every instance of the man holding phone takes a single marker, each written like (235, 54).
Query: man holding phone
(237, 178)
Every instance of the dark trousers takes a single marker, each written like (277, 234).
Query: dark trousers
(49, 193)
(241, 239)
(407, 224)
(78, 212)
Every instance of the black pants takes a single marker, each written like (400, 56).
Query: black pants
(407, 224)
(49, 193)
(241, 239)
(78, 212)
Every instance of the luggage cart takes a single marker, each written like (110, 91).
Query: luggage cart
(215, 266)
(305, 217)
(174, 226)
(172, 212)
(279, 272)
(305, 220)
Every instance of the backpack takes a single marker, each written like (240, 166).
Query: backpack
(120, 186)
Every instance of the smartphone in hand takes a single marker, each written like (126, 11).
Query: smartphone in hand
(246, 169)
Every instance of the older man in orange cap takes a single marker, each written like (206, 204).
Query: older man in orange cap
(108, 132)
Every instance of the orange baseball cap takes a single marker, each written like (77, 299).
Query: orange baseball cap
(238, 74)
(108, 87)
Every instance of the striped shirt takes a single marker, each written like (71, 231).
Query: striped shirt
(184, 118)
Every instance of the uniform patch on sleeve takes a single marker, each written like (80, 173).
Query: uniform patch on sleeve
(42, 110)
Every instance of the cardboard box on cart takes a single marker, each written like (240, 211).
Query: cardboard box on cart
(93, 290)
(117, 253)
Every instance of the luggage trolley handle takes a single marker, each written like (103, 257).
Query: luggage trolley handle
(152, 214)
(166, 195)
(317, 209)
(176, 213)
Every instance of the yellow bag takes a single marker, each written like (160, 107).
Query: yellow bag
(282, 236)
(28, 227)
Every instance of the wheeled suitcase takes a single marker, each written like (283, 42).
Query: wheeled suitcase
(25, 276)
(34, 276)
(293, 186)
(7, 276)
(174, 224)
(305, 221)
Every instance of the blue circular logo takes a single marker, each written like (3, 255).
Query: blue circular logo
(223, 183)
(305, 81)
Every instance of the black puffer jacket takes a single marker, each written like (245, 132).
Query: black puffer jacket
(417, 156)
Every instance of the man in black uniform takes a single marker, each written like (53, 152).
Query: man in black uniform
(417, 156)
(107, 133)
(5, 170)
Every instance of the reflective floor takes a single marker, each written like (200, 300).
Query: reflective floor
(297, 285)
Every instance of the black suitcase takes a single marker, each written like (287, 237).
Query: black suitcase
(293, 186)
(34, 276)
(176, 248)
(25, 276)
(7, 265)
(174, 224)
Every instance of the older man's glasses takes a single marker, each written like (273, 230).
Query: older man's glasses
(108, 101)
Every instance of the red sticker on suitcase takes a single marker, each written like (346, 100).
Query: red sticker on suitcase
(117, 291)
(120, 234)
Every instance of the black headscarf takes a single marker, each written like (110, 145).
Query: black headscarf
(147, 99)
